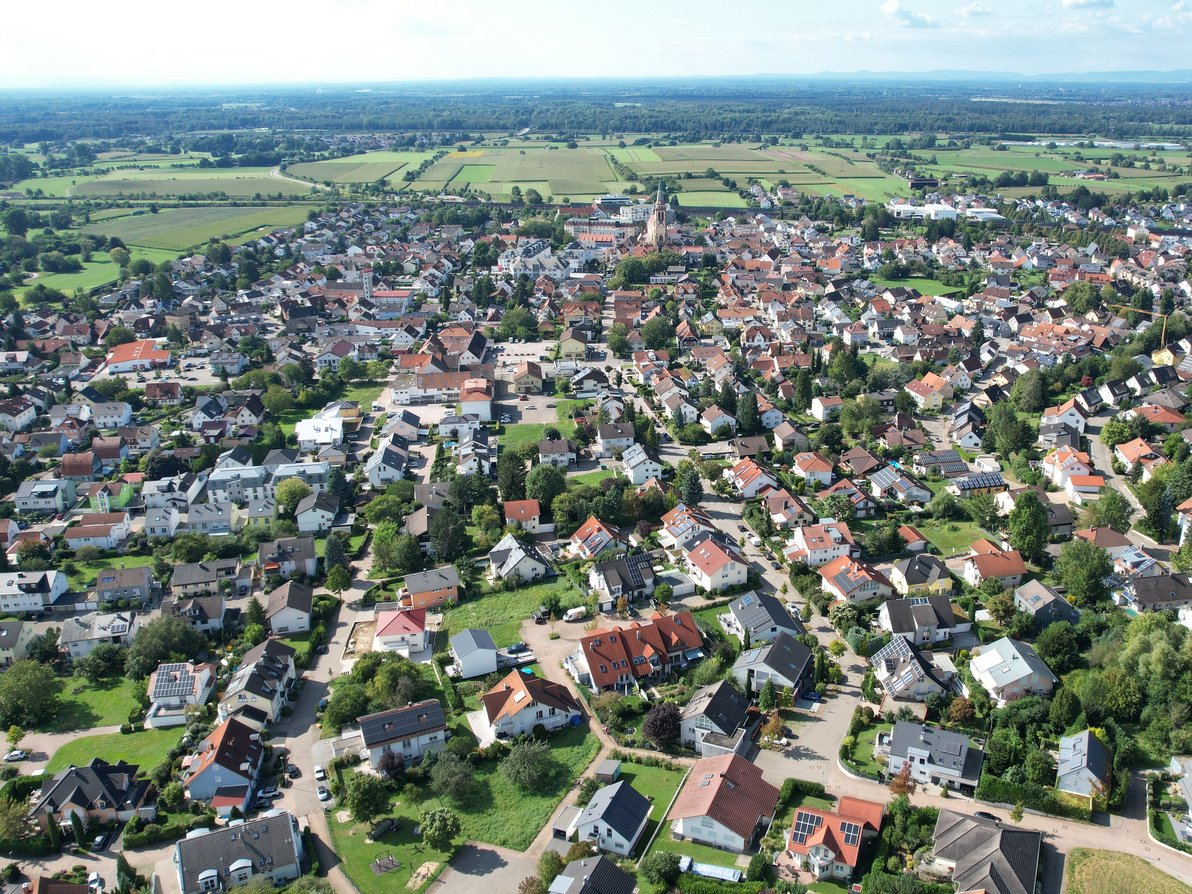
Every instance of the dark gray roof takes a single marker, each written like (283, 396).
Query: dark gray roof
(594, 875)
(193, 573)
(758, 612)
(435, 579)
(950, 751)
(402, 723)
(723, 705)
(988, 857)
(918, 612)
(1080, 752)
(267, 843)
(923, 568)
(95, 786)
(472, 640)
(292, 594)
(620, 807)
(785, 655)
(322, 500)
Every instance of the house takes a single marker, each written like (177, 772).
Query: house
(1044, 604)
(988, 561)
(920, 574)
(527, 378)
(524, 514)
(511, 558)
(206, 613)
(854, 580)
(403, 632)
(98, 792)
(724, 803)
(473, 653)
(718, 423)
(316, 513)
(269, 847)
(684, 524)
(290, 555)
(715, 565)
(892, 485)
(716, 721)
(102, 530)
(560, 452)
(213, 519)
(262, 681)
(1167, 592)
(409, 732)
(430, 589)
(573, 344)
(1137, 453)
(628, 577)
(759, 618)
(826, 408)
(816, 545)
(748, 478)
(14, 641)
(984, 855)
(1106, 538)
(813, 469)
(921, 619)
(30, 591)
(519, 703)
(785, 661)
(1009, 670)
(594, 537)
(1084, 767)
(936, 756)
(614, 437)
(17, 414)
(641, 652)
(386, 464)
(978, 483)
(289, 608)
(228, 759)
(173, 688)
(44, 496)
(82, 633)
(476, 398)
(640, 465)
(907, 674)
(1070, 413)
(591, 875)
(828, 843)
(200, 578)
(614, 819)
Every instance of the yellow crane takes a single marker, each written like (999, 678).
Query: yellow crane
(1149, 313)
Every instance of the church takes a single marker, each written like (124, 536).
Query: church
(656, 225)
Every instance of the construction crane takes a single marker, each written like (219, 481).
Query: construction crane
(1149, 313)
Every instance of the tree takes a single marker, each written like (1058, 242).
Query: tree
(766, 698)
(529, 764)
(1039, 768)
(439, 828)
(661, 869)
(902, 783)
(339, 485)
(662, 724)
(1112, 509)
(657, 333)
(277, 401)
(550, 866)
(338, 579)
(15, 735)
(1059, 646)
(1083, 568)
(28, 694)
(544, 483)
(162, 639)
(1016, 813)
(408, 553)
(691, 487)
(103, 662)
(452, 777)
(335, 556)
(511, 476)
(960, 711)
(448, 535)
(1029, 528)
(254, 612)
(747, 418)
(1000, 604)
(290, 493)
(1029, 393)
(79, 828)
(367, 797)
(727, 399)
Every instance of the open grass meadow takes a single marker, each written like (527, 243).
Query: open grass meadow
(179, 229)
(99, 271)
(87, 705)
(367, 167)
(521, 434)
(502, 614)
(1089, 871)
(923, 285)
(144, 748)
(84, 575)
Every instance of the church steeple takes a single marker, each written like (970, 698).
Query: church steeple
(656, 228)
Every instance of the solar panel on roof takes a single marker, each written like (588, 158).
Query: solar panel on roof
(852, 833)
(748, 600)
(805, 824)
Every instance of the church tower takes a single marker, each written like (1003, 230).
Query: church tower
(656, 230)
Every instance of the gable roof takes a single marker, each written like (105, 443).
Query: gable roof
(988, 856)
(406, 722)
(785, 655)
(518, 691)
(729, 790)
(97, 784)
(841, 831)
(620, 807)
(721, 704)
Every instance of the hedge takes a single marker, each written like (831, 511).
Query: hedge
(153, 833)
(35, 846)
(1028, 794)
(20, 788)
(690, 883)
(800, 787)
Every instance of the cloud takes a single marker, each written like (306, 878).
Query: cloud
(1086, 4)
(976, 9)
(907, 18)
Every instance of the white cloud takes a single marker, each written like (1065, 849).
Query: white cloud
(1086, 4)
(907, 18)
(976, 9)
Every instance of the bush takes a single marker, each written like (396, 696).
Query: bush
(758, 864)
(661, 868)
(792, 788)
(689, 883)
(154, 833)
(1028, 794)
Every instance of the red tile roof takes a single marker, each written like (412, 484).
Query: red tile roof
(729, 790)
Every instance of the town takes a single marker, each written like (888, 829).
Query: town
(603, 547)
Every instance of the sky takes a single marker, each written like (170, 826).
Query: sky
(138, 43)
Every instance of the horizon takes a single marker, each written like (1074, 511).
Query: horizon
(375, 44)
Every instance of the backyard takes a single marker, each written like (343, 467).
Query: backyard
(502, 614)
(658, 785)
(89, 705)
(85, 574)
(1108, 872)
(350, 843)
(146, 749)
(862, 753)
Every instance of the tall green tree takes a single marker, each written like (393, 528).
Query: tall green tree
(511, 476)
(1029, 528)
(1082, 568)
(748, 422)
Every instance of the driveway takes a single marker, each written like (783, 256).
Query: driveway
(478, 867)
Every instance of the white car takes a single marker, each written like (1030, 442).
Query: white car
(15, 755)
(324, 793)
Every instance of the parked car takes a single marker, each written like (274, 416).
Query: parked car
(293, 772)
(320, 773)
(524, 397)
(99, 843)
(985, 814)
(324, 793)
(16, 755)
(270, 793)
(516, 648)
(321, 649)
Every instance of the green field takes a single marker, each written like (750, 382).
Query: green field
(502, 614)
(658, 786)
(166, 182)
(145, 748)
(710, 200)
(85, 573)
(178, 229)
(88, 705)
(593, 478)
(1089, 871)
(474, 174)
(925, 286)
(520, 435)
(97, 272)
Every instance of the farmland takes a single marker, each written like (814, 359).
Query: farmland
(177, 229)
(364, 168)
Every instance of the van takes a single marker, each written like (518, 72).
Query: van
(575, 614)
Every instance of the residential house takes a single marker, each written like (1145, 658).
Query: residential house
(403, 632)
(906, 674)
(724, 803)
(176, 687)
(594, 537)
(14, 641)
(1044, 604)
(784, 661)
(936, 756)
(82, 633)
(749, 479)
(262, 681)
(988, 561)
(758, 618)
(163, 523)
(716, 721)
(316, 513)
(613, 437)
(826, 408)
(718, 423)
(410, 732)
(591, 875)
(853, 580)
(289, 555)
(269, 847)
(526, 515)
(1084, 768)
(614, 819)
(921, 619)
(228, 760)
(813, 469)
(640, 465)
(629, 577)
(289, 608)
(430, 589)
(816, 545)
(30, 591)
(205, 613)
(511, 558)
(212, 519)
(200, 578)
(98, 793)
(642, 652)
(519, 703)
(828, 843)
(1009, 670)
(984, 855)
(561, 453)
(715, 565)
(474, 654)
(919, 575)
(977, 484)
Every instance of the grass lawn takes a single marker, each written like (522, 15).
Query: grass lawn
(828, 888)
(355, 541)
(348, 840)
(502, 614)
(593, 478)
(86, 573)
(701, 853)
(88, 705)
(364, 393)
(658, 786)
(863, 749)
(951, 538)
(146, 749)
(1089, 871)
(177, 229)
(515, 436)
(924, 285)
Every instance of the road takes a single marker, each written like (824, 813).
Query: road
(277, 174)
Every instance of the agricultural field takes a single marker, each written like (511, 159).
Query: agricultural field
(178, 229)
(367, 167)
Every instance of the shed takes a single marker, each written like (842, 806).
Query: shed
(608, 771)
